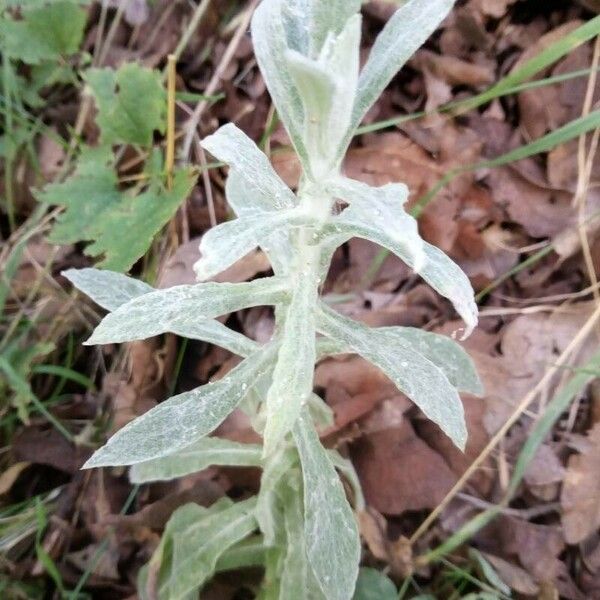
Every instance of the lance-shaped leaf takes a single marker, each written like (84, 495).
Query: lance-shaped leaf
(327, 87)
(332, 540)
(413, 373)
(270, 46)
(186, 309)
(194, 539)
(180, 420)
(268, 507)
(297, 578)
(293, 375)
(111, 290)
(378, 215)
(224, 244)
(407, 30)
(277, 244)
(449, 280)
(264, 190)
(200, 455)
(107, 288)
(329, 18)
(442, 351)
(316, 88)
(197, 548)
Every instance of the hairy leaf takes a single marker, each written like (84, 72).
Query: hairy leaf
(297, 577)
(276, 245)
(293, 374)
(442, 351)
(327, 87)
(316, 88)
(329, 18)
(131, 103)
(188, 309)
(107, 288)
(407, 29)
(264, 190)
(270, 46)
(413, 373)
(45, 33)
(378, 214)
(181, 420)
(268, 511)
(197, 549)
(449, 280)
(97, 210)
(226, 243)
(332, 540)
(194, 539)
(196, 457)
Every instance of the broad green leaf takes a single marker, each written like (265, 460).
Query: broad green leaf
(90, 191)
(263, 189)
(293, 375)
(441, 350)
(197, 548)
(185, 309)
(270, 46)
(374, 585)
(413, 373)
(107, 288)
(200, 455)
(226, 243)
(142, 217)
(44, 33)
(331, 533)
(97, 210)
(180, 420)
(131, 103)
(378, 215)
(407, 30)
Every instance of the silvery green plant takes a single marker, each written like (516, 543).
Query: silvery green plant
(300, 527)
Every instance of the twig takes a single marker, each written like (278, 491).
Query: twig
(519, 410)
(170, 150)
(213, 84)
(191, 28)
(585, 164)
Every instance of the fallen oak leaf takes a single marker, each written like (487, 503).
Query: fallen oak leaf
(580, 498)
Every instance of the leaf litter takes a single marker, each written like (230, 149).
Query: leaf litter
(546, 542)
